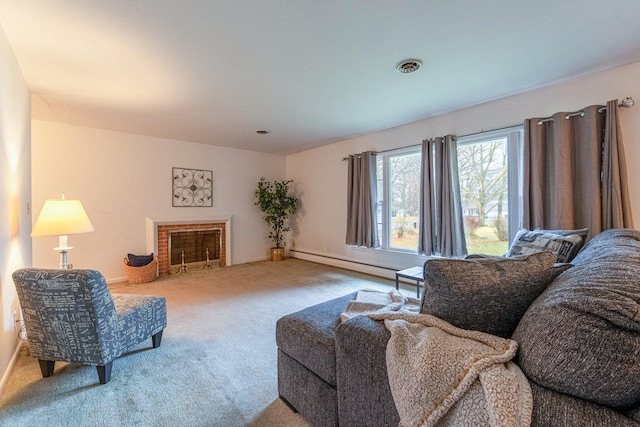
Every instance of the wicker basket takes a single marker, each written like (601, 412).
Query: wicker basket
(144, 274)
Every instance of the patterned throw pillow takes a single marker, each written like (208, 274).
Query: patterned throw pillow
(582, 232)
(565, 246)
(486, 294)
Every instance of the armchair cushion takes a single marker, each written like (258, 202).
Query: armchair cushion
(139, 317)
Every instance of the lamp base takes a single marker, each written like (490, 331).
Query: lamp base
(63, 247)
(63, 258)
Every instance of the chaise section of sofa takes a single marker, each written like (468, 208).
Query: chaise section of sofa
(307, 360)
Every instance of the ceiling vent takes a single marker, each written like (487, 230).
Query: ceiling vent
(408, 66)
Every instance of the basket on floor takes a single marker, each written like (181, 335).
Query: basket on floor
(144, 274)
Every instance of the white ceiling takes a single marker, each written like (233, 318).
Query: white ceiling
(311, 71)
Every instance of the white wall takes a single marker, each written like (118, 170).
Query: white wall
(121, 179)
(321, 176)
(15, 195)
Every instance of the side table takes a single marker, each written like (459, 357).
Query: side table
(414, 273)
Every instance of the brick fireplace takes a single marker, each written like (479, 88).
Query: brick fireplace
(158, 237)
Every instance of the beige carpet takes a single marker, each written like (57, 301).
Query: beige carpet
(217, 362)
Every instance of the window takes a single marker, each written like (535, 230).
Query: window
(398, 175)
(490, 187)
(489, 168)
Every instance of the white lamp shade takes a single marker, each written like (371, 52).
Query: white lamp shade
(62, 217)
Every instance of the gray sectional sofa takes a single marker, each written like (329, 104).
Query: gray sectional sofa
(579, 346)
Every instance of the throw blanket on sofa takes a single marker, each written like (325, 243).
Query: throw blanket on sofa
(441, 375)
(370, 301)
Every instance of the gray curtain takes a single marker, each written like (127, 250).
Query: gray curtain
(362, 227)
(441, 229)
(615, 191)
(575, 172)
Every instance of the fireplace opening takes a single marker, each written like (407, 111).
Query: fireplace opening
(196, 246)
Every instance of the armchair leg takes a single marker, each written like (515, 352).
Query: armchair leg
(156, 339)
(46, 367)
(104, 373)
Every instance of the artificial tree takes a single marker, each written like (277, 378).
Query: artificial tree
(276, 203)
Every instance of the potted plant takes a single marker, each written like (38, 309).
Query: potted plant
(276, 204)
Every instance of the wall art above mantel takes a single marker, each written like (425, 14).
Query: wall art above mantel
(192, 187)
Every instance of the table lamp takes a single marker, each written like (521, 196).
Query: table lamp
(61, 217)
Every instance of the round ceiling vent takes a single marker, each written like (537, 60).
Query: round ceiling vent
(408, 66)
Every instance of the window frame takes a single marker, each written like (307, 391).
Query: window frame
(385, 228)
(515, 169)
(515, 180)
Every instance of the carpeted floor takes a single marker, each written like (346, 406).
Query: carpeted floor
(216, 365)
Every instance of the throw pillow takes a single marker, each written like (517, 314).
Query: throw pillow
(486, 294)
(582, 232)
(565, 247)
(139, 260)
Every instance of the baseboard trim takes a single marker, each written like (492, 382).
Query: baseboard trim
(361, 267)
(12, 362)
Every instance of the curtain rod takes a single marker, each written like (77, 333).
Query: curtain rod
(463, 136)
(373, 153)
(626, 103)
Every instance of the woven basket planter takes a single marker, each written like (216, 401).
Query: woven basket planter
(144, 274)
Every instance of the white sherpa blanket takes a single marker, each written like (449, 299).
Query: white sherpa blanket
(369, 301)
(441, 375)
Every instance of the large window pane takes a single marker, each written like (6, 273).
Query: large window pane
(404, 201)
(399, 198)
(484, 164)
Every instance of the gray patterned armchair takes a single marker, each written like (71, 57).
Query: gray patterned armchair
(71, 316)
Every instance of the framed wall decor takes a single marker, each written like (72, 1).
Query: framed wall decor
(192, 188)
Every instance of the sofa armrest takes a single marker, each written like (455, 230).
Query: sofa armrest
(364, 395)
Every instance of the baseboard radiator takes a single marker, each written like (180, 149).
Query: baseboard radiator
(361, 267)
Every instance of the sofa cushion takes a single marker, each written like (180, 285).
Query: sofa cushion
(486, 294)
(561, 242)
(551, 408)
(581, 337)
(309, 336)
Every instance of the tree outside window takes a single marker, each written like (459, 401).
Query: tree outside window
(483, 170)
